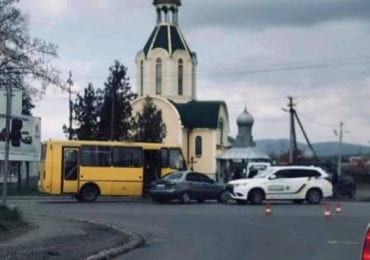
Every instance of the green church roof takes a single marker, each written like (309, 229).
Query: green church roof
(199, 114)
(167, 37)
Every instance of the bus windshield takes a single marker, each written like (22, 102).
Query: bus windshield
(176, 160)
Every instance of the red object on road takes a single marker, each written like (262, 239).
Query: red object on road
(268, 210)
(366, 246)
(327, 211)
(338, 208)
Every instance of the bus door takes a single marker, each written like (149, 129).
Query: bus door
(70, 170)
(152, 167)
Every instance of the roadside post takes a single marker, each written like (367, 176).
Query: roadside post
(7, 131)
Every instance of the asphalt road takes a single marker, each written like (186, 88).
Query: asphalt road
(224, 231)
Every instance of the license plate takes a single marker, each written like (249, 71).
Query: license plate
(160, 186)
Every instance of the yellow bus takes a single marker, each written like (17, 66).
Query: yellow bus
(87, 169)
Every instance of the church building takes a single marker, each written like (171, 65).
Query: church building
(167, 72)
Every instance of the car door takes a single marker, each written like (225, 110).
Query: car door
(288, 184)
(194, 186)
(209, 189)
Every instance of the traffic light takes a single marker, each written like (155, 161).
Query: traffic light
(15, 133)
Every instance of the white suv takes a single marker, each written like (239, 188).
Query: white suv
(297, 183)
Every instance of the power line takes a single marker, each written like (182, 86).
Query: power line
(236, 69)
(316, 122)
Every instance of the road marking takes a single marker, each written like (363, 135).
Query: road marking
(336, 242)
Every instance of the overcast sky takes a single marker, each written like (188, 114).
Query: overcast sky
(250, 52)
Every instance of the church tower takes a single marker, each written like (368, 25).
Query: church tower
(166, 67)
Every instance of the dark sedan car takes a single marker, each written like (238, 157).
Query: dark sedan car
(345, 186)
(186, 186)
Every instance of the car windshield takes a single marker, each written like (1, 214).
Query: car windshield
(173, 176)
(264, 173)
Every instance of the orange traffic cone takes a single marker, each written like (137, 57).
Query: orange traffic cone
(268, 210)
(338, 208)
(327, 212)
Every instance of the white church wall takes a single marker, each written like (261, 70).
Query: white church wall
(170, 117)
(206, 163)
(224, 116)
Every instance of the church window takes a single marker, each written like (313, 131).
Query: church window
(158, 85)
(142, 78)
(181, 77)
(198, 146)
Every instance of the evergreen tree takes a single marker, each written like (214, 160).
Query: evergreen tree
(115, 113)
(85, 110)
(149, 126)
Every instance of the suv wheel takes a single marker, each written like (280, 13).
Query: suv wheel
(314, 196)
(256, 197)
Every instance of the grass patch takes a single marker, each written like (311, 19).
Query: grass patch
(24, 191)
(10, 218)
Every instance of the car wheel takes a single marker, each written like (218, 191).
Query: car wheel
(88, 193)
(256, 197)
(352, 193)
(313, 196)
(298, 201)
(185, 197)
(224, 197)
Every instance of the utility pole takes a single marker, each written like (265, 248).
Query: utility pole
(70, 84)
(7, 135)
(293, 138)
(340, 135)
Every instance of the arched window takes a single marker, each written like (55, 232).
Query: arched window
(142, 78)
(198, 146)
(180, 90)
(158, 73)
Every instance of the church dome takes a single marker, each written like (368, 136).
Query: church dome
(245, 119)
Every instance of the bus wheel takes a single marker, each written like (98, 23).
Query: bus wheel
(88, 193)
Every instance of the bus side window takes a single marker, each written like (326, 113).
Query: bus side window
(130, 157)
(98, 156)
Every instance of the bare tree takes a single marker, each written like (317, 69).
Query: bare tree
(23, 58)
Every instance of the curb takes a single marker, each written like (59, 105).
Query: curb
(135, 241)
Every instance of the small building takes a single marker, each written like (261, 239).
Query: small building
(243, 159)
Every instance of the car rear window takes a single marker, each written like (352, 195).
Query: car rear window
(173, 176)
